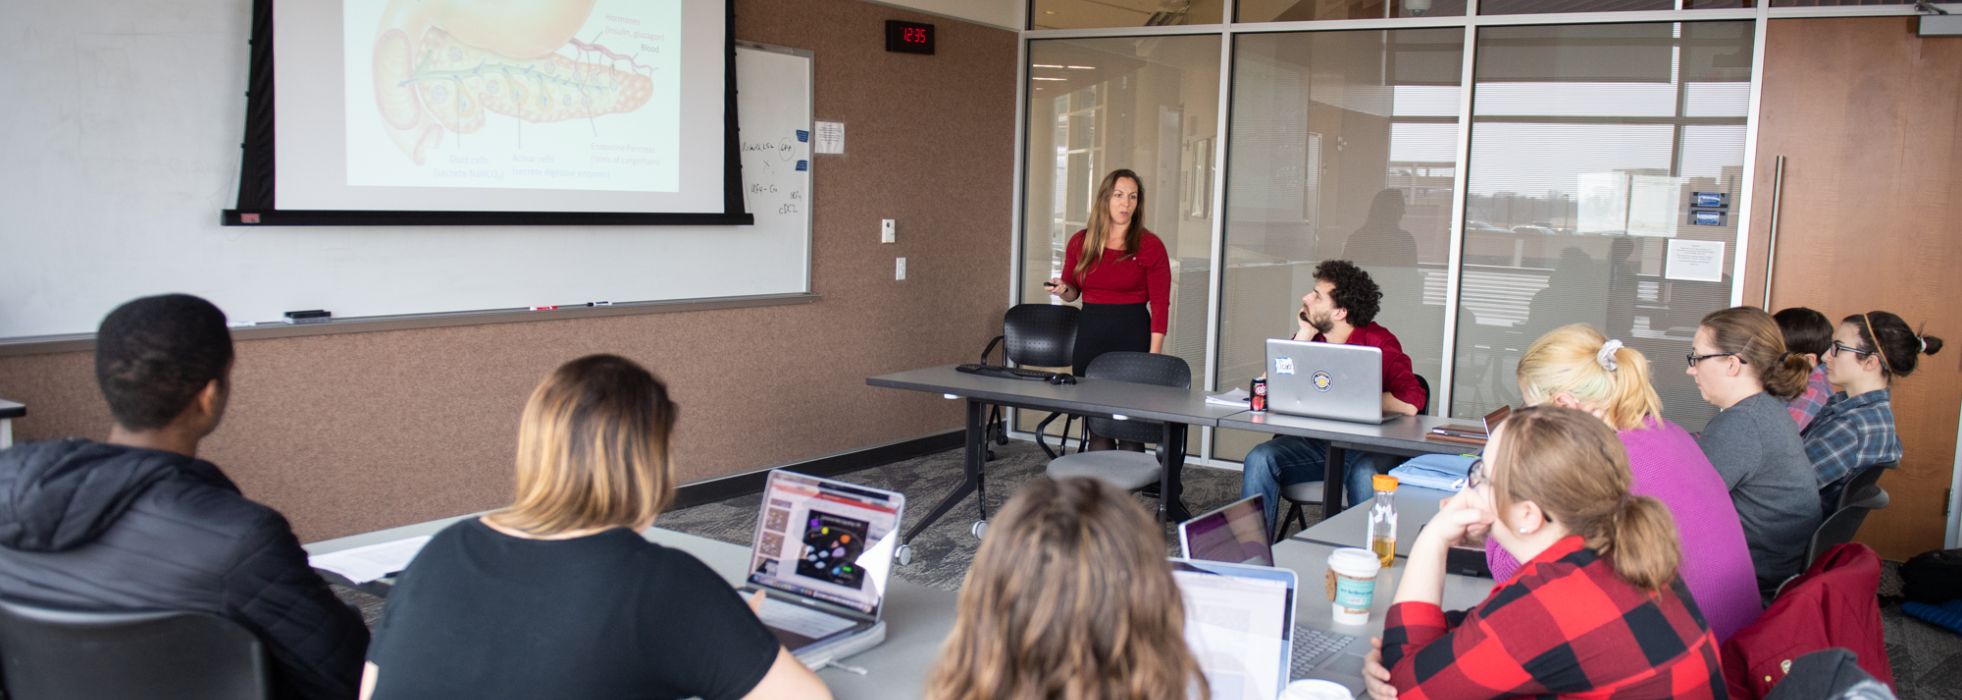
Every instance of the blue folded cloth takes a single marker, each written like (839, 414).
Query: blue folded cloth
(1947, 615)
(1435, 471)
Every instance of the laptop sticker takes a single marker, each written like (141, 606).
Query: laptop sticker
(1284, 365)
(1322, 380)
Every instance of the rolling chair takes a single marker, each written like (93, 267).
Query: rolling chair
(50, 654)
(1130, 471)
(1840, 527)
(1310, 492)
(1040, 335)
(1856, 487)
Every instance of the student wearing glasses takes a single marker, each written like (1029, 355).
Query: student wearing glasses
(1597, 610)
(1856, 428)
(558, 595)
(1740, 364)
(1576, 367)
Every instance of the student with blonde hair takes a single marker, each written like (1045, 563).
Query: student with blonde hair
(1597, 610)
(1740, 364)
(1576, 367)
(558, 595)
(1070, 596)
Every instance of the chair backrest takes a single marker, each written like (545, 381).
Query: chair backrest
(1043, 335)
(1139, 368)
(49, 654)
(1425, 409)
(1840, 527)
(1863, 481)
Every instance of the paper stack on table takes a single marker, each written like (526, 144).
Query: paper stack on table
(1236, 398)
(375, 561)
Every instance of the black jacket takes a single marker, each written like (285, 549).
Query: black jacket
(91, 526)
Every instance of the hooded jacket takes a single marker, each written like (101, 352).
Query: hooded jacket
(99, 527)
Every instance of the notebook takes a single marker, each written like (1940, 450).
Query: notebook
(1326, 380)
(823, 550)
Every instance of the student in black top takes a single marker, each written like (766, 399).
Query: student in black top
(558, 595)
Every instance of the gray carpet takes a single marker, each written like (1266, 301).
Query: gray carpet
(1927, 660)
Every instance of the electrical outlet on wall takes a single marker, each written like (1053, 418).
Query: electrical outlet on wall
(899, 268)
(887, 231)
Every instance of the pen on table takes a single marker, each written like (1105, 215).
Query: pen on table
(551, 307)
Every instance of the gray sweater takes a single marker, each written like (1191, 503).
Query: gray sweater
(1755, 446)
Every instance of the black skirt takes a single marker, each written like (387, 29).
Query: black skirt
(1103, 328)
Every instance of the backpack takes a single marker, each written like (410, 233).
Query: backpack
(1933, 577)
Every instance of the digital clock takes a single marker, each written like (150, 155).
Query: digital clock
(909, 37)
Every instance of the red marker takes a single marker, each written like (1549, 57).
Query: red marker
(544, 308)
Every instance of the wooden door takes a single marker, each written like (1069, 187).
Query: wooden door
(1869, 119)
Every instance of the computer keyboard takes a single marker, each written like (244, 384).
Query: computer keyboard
(1312, 647)
(1005, 372)
(799, 619)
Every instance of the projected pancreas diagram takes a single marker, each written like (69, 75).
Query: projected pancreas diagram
(569, 94)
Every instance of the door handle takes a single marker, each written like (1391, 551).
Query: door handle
(1771, 243)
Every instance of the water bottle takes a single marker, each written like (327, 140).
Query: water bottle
(1383, 519)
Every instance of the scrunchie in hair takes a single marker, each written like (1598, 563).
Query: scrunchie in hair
(1606, 357)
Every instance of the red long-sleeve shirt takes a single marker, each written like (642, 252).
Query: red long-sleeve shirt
(1399, 376)
(1123, 278)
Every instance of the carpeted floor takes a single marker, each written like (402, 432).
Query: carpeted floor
(1927, 660)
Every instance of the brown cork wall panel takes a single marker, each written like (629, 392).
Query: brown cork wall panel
(354, 432)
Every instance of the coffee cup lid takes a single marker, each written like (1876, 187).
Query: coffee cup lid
(1355, 562)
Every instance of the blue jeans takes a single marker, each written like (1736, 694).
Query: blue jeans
(1291, 460)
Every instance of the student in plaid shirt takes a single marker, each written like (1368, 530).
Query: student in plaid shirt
(1856, 428)
(1808, 334)
(1596, 611)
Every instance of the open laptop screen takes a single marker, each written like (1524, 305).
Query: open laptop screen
(1236, 533)
(825, 539)
(1239, 622)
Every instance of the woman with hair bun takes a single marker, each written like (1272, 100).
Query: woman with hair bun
(1741, 365)
(1597, 610)
(1577, 367)
(1856, 428)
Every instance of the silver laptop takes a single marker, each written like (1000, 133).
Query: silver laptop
(1239, 623)
(1326, 380)
(823, 550)
(1235, 533)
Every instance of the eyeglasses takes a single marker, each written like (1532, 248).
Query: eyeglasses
(1839, 347)
(1695, 358)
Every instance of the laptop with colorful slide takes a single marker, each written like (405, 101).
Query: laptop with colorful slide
(823, 550)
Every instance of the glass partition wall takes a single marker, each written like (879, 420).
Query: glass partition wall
(1498, 177)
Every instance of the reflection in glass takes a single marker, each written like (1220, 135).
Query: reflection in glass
(1343, 145)
(1301, 10)
(1589, 144)
(1147, 104)
(1090, 14)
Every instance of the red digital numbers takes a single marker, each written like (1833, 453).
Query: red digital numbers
(913, 35)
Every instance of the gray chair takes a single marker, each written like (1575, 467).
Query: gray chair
(1842, 525)
(1305, 493)
(1038, 335)
(1131, 471)
(1861, 482)
(51, 654)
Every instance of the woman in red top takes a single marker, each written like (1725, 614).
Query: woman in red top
(1596, 611)
(1121, 272)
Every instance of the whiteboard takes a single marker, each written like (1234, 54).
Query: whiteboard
(132, 209)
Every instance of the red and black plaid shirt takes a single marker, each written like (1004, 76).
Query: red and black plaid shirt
(1564, 625)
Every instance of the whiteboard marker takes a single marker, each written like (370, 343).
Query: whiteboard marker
(545, 308)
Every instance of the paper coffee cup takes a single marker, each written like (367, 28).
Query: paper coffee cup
(1315, 689)
(1352, 584)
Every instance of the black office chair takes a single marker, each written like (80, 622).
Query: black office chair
(1039, 335)
(1842, 525)
(1311, 492)
(49, 654)
(1131, 471)
(1857, 486)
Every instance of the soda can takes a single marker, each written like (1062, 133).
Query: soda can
(1257, 396)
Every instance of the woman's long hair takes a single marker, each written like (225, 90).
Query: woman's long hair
(1069, 597)
(1569, 359)
(1575, 469)
(593, 449)
(1099, 229)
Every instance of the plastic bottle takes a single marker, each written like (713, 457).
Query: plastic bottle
(1383, 519)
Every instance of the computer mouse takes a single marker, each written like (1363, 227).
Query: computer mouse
(1061, 379)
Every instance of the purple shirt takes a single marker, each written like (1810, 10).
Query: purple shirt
(1670, 467)
(1817, 392)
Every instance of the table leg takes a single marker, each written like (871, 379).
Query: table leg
(1335, 480)
(1167, 448)
(971, 466)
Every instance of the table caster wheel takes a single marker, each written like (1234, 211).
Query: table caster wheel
(904, 555)
(980, 529)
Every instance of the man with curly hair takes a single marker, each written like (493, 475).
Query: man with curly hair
(1340, 309)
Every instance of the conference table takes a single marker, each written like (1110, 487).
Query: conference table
(1172, 407)
(1350, 528)
(1410, 435)
(920, 618)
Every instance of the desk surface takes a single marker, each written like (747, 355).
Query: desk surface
(918, 618)
(12, 409)
(1086, 397)
(1350, 528)
(1309, 560)
(1407, 435)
